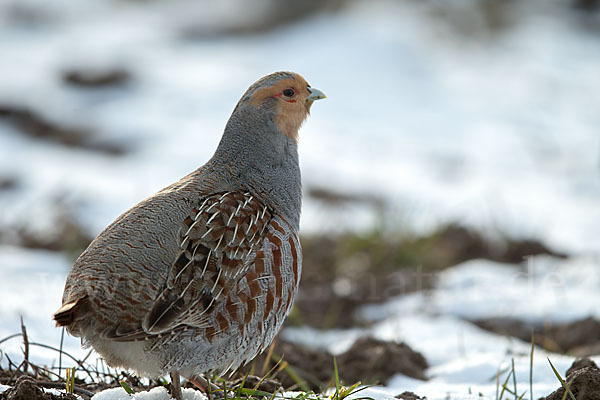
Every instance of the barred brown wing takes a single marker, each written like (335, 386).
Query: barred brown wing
(215, 241)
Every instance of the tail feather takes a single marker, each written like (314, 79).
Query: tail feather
(65, 315)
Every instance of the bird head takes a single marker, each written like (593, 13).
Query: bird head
(286, 95)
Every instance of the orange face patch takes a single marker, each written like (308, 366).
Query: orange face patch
(292, 107)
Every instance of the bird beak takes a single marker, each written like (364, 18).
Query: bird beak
(315, 94)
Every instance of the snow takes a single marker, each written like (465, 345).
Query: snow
(158, 393)
(43, 273)
(59, 392)
(499, 133)
(491, 133)
(542, 289)
(462, 356)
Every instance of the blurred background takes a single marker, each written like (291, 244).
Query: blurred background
(453, 130)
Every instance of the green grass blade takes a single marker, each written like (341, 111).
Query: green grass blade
(225, 393)
(68, 383)
(509, 391)
(294, 375)
(498, 373)
(531, 367)
(254, 392)
(567, 390)
(562, 382)
(504, 385)
(241, 386)
(356, 389)
(337, 379)
(273, 395)
(351, 389)
(127, 388)
(497, 383)
(512, 361)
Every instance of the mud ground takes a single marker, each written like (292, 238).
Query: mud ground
(340, 273)
(369, 361)
(579, 338)
(27, 388)
(583, 380)
(343, 272)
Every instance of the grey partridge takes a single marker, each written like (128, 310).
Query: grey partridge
(200, 276)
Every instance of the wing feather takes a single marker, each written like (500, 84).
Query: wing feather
(214, 249)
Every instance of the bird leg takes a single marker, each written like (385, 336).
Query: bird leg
(176, 386)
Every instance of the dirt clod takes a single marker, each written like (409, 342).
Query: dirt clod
(26, 388)
(579, 364)
(375, 361)
(409, 396)
(92, 78)
(8, 182)
(67, 234)
(368, 361)
(584, 381)
(312, 366)
(35, 125)
(342, 272)
(577, 337)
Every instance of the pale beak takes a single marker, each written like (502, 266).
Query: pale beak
(315, 94)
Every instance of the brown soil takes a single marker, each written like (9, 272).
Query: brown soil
(8, 182)
(580, 338)
(26, 388)
(579, 364)
(24, 384)
(262, 384)
(35, 125)
(67, 234)
(368, 360)
(409, 396)
(375, 361)
(93, 78)
(345, 271)
(583, 379)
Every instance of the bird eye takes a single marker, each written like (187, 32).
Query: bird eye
(289, 92)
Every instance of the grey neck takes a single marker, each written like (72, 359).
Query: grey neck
(254, 155)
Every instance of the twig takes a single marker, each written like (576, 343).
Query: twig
(25, 346)
(28, 344)
(14, 335)
(61, 385)
(49, 372)
(62, 336)
(87, 356)
(67, 354)
(10, 362)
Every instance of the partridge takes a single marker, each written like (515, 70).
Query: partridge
(200, 276)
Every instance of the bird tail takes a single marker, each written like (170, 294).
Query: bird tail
(65, 315)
